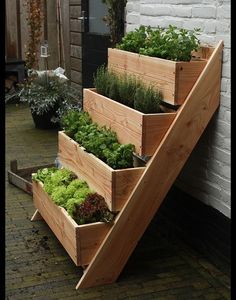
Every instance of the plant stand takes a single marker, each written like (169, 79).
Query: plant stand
(114, 247)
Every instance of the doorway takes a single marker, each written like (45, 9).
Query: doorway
(95, 39)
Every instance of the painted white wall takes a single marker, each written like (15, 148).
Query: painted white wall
(206, 175)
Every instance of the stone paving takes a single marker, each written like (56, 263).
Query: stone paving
(162, 267)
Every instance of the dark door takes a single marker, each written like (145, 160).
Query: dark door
(95, 39)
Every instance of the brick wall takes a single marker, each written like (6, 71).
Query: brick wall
(206, 175)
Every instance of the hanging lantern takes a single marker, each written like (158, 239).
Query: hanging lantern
(44, 49)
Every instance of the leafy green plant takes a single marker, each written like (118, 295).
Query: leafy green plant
(100, 141)
(128, 90)
(133, 40)
(48, 91)
(169, 43)
(73, 120)
(115, 19)
(93, 209)
(73, 194)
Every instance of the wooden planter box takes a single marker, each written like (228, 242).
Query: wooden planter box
(80, 241)
(145, 131)
(114, 185)
(173, 79)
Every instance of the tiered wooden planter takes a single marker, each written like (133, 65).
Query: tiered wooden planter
(145, 131)
(80, 241)
(114, 185)
(173, 79)
(169, 137)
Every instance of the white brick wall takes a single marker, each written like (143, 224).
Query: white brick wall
(206, 175)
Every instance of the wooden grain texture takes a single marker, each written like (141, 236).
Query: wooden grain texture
(162, 73)
(80, 241)
(158, 177)
(144, 131)
(63, 227)
(99, 176)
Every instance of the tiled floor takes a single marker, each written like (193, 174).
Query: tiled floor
(38, 267)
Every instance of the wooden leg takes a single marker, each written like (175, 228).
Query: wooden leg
(36, 216)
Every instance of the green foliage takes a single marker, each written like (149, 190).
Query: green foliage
(93, 208)
(169, 43)
(49, 91)
(100, 141)
(115, 19)
(133, 40)
(73, 120)
(128, 90)
(74, 195)
(42, 174)
(147, 100)
(120, 157)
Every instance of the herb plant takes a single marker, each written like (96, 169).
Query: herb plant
(100, 141)
(73, 194)
(128, 90)
(169, 43)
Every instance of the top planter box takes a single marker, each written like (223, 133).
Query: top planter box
(173, 79)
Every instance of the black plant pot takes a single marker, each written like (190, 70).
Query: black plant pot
(44, 121)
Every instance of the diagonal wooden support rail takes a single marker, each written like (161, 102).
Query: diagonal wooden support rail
(158, 177)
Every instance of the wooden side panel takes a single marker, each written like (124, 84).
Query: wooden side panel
(90, 237)
(98, 175)
(154, 128)
(187, 75)
(169, 158)
(12, 50)
(57, 219)
(126, 122)
(124, 183)
(152, 70)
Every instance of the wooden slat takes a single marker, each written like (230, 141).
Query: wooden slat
(63, 227)
(90, 237)
(158, 177)
(154, 128)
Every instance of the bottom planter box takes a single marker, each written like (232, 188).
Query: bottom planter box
(114, 185)
(80, 241)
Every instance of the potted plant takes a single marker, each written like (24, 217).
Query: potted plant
(78, 216)
(94, 153)
(131, 108)
(170, 58)
(48, 96)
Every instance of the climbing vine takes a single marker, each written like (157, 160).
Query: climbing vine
(115, 19)
(34, 22)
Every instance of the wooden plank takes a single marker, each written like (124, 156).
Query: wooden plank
(75, 11)
(76, 51)
(154, 128)
(76, 76)
(11, 30)
(90, 237)
(162, 73)
(36, 216)
(64, 228)
(75, 25)
(186, 76)
(66, 35)
(77, 64)
(160, 174)
(130, 125)
(97, 174)
(76, 38)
